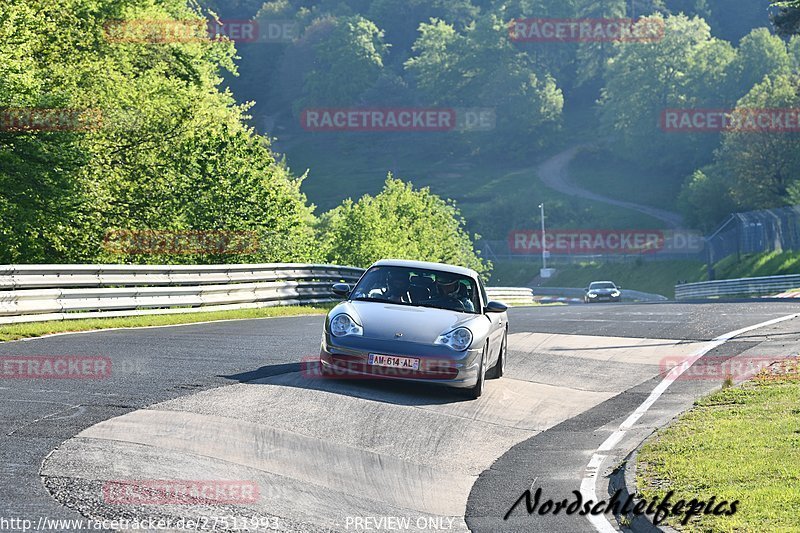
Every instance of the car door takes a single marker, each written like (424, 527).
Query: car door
(496, 328)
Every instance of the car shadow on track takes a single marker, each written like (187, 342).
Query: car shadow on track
(304, 376)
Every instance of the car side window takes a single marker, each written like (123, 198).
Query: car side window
(484, 298)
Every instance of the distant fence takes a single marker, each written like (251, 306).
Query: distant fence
(33, 293)
(762, 286)
(768, 230)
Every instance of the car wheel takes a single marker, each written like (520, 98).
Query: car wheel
(476, 391)
(499, 367)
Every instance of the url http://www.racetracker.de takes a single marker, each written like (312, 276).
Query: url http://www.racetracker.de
(206, 523)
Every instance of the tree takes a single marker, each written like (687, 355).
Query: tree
(706, 199)
(593, 56)
(752, 169)
(402, 223)
(733, 19)
(794, 52)
(787, 19)
(759, 54)
(401, 18)
(762, 165)
(348, 62)
(682, 70)
(171, 152)
(482, 68)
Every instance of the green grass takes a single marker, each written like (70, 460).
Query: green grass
(36, 329)
(657, 277)
(606, 174)
(741, 443)
(755, 265)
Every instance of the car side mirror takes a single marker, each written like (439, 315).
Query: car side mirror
(586, 290)
(341, 289)
(495, 307)
(619, 288)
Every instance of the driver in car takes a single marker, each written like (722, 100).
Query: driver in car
(397, 287)
(451, 289)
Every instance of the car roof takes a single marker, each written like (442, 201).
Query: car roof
(611, 282)
(452, 269)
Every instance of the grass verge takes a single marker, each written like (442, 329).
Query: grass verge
(755, 265)
(741, 443)
(12, 332)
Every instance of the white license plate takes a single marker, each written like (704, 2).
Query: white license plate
(390, 361)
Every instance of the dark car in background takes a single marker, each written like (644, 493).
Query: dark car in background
(602, 291)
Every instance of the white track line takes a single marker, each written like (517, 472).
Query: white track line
(588, 485)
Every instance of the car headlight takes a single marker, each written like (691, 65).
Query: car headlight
(342, 325)
(592, 295)
(615, 294)
(459, 339)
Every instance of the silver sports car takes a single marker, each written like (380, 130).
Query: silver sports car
(416, 321)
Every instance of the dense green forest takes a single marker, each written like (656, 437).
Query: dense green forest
(714, 54)
(208, 133)
(171, 151)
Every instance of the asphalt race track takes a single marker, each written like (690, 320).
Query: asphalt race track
(228, 401)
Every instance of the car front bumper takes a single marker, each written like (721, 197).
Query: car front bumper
(348, 358)
(603, 298)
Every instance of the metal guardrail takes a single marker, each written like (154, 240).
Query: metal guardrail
(762, 286)
(34, 293)
(511, 295)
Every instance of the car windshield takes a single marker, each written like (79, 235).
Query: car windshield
(602, 285)
(418, 287)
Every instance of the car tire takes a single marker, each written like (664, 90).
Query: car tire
(499, 367)
(476, 390)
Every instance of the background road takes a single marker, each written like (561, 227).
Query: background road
(323, 450)
(555, 174)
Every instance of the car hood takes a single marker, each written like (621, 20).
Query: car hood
(416, 324)
(602, 291)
